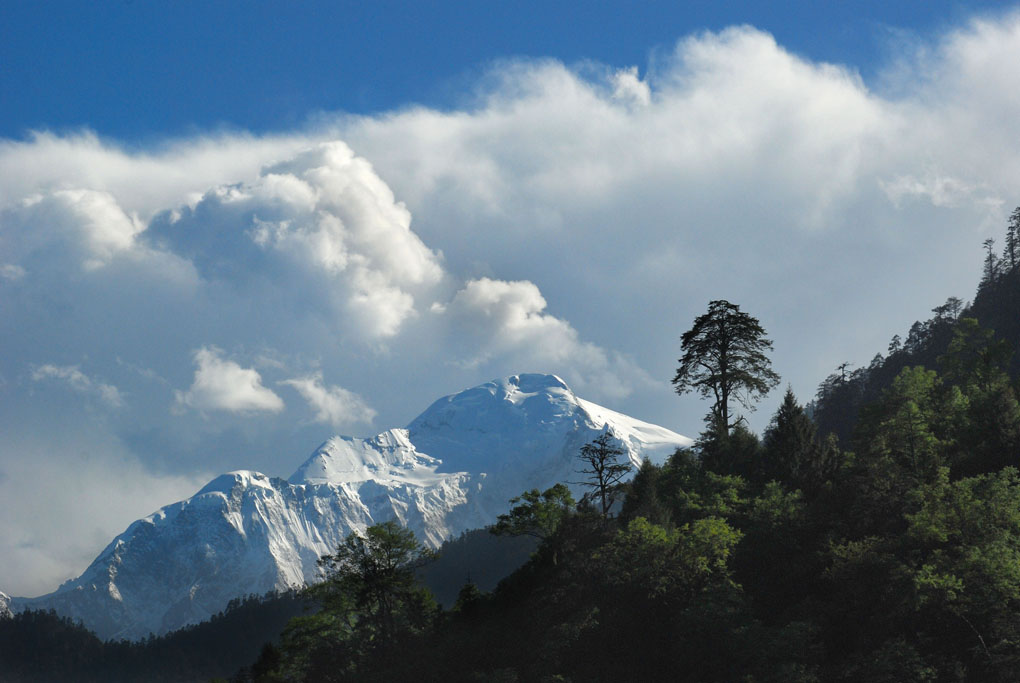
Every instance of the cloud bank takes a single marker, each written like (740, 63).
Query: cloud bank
(80, 382)
(222, 384)
(333, 405)
(173, 303)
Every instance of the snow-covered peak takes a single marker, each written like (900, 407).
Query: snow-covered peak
(225, 483)
(389, 456)
(5, 606)
(507, 422)
(453, 468)
(499, 404)
(640, 439)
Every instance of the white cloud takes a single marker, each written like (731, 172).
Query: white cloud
(323, 214)
(79, 382)
(941, 191)
(223, 385)
(143, 181)
(12, 272)
(333, 405)
(628, 87)
(108, 230)
(87, 226)
(505, 321)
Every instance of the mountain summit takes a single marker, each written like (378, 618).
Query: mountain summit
(453, 468)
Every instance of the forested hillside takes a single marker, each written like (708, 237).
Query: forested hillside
(995, 310)
(878, 542)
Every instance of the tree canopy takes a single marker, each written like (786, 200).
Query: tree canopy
(724, 360)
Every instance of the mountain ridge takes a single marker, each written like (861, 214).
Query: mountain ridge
(453, 468)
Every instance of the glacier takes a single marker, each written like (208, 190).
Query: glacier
(453, 468)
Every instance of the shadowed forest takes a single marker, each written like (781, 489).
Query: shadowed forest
(871, 534)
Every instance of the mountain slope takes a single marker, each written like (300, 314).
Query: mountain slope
(453, 468)
(5, 605)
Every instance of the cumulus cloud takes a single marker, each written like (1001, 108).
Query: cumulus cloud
(508, 315)
(79, 382)
(628, 87)
(87, 226)
(323, 212)
(144, 181)
(333, 405)
(223, 385)
(506, 321)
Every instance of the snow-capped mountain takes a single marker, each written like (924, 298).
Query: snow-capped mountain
(5, 605)
(453, 468)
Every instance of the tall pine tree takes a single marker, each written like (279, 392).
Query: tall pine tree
(793, 453)
(724, 359)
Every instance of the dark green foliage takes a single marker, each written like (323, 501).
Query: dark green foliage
(837, 406)
(477, 556)
(974, 356)
(643, 497)
(724, 360)
(967, 573)
(1011, 253)
(692, 491)
(372, 610)
(792, 453)
(536, 514)
(40, 646)
(736, 451)
(990, 432)
(841, 395)
(992, 263)
(977, 362)
(911, 423)
(370, 582)
(468, 599)
(938, 600)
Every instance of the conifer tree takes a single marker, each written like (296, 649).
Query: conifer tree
(724, 359)
(991, 271)
(734, 452)
(643, 499)
(1012, 250)
(792, 452)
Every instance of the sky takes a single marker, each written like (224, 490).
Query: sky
(231, 230)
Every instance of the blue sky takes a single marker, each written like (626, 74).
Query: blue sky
(229, 231)
(142, 70)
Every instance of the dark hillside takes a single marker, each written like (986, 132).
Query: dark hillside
(996, 307)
